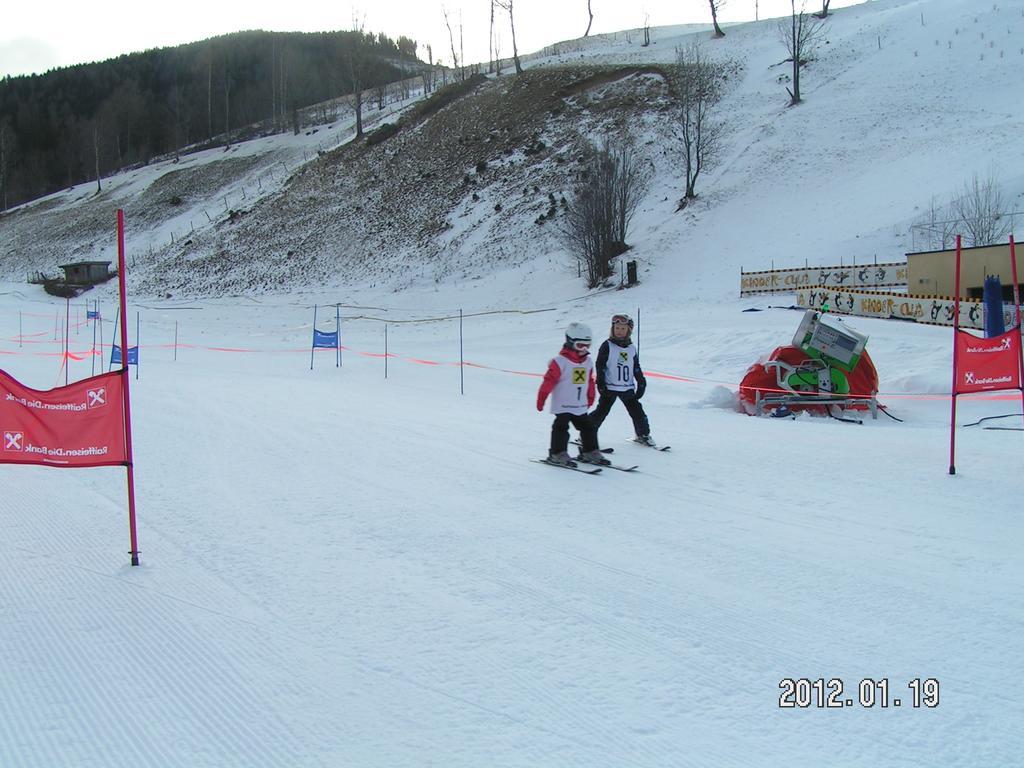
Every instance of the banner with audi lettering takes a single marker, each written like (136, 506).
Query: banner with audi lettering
(987, 364)
(79, 425)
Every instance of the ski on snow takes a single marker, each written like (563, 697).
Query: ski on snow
(613, 466)
(648, 445)
(632, 440)
(587, 470)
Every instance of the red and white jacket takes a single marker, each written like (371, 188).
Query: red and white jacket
(569, 381)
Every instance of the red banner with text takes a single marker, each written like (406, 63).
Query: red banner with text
(987, 364)
(80, 425)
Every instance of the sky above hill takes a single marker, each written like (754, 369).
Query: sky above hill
(34, 39)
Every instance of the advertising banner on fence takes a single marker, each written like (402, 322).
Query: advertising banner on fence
(80, 425)
(932, 310)
(889, 275)
(986, 364)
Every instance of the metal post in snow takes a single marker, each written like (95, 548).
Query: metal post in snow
(138, 346)
(67, 339)
(952, 393)
(175, 341)
(337, 327)
(113, 344)
(93, 355)
(462, 362)
(127, 400)
(385, 350)
(312, 347)
(21, 332)
(638, 331)
(99, 319)
(1016, 304)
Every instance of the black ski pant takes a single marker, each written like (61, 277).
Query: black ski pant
(560, 432)
(633, 407)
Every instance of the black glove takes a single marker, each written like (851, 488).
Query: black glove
(640, 392)
(602, 389)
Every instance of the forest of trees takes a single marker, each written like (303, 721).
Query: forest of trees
(78, 123)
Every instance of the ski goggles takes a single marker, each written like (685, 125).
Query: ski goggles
(581, 346)
(620, 320)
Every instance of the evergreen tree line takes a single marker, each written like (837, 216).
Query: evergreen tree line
(79, 123)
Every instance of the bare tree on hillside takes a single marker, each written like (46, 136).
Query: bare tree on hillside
(716, 6)
(490, 43)
(227, 103)
(800, 34)
(632, 178)
(121, 112)
(699, 89)
(275, 113)
(92, 134)
(605, 197)
(935, 223)
(462, 51)
(6, 153)
(590, 21)
(824, 9)
(507, 5)
(451, 41)
(356, 60)
(209, 90)
(282, 83)
(428, 73)
(979, 208)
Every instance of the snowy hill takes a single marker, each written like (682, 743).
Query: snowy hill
(283, 212)
(343, 568)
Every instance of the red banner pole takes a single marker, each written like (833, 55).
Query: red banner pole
(1016, 304)
(67, 340)
(125, 379)
(952, 392)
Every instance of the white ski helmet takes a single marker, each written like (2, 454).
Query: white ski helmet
(578, 332)
(623, 319)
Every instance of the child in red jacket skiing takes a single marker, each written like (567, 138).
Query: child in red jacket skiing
(569, 381)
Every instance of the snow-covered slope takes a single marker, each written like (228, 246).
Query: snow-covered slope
(340, 568)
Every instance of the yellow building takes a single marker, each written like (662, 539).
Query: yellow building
(933, 273)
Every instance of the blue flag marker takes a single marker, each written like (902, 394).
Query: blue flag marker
(325, 340)
(133, 355)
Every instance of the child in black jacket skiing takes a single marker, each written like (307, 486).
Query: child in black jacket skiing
(619, 378)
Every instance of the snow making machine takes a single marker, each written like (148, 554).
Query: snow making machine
(826, 370)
